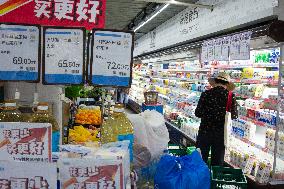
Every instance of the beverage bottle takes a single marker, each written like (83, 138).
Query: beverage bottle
(118, 128)
(10, 112)
(42, 115)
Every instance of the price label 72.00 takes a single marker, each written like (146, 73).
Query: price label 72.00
(112, 58)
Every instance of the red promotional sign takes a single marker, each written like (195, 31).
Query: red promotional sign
(78, 13)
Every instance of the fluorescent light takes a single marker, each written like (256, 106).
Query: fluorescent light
(153, 16)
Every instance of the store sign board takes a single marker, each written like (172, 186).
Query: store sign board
(64, 56)
(90, 173)
(29, 142)
(193, 23)
(28, 175)
(19, 63)
(76, 13)
(112, 56)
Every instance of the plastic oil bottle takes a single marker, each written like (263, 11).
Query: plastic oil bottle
(42, 115)
(118, 128)
(10, 112)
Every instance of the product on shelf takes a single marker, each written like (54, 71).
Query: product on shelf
(10, 112)
(117, 128)
(87, 115)
(42, 115)
(81, 135)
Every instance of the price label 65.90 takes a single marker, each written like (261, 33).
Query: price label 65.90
(64, 55)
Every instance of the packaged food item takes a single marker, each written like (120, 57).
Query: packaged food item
(79, 134)
(118, 128)
(42, 115)
(10, 112)
(263, 172)
(88, 115)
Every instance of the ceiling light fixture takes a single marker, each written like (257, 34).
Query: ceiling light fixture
(174, 2)
(153, 16)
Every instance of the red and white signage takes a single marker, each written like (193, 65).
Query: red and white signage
(90, 173)
(75, 13)
(29, 142)
(28, 175)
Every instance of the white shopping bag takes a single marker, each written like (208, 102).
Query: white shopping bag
(228, 121)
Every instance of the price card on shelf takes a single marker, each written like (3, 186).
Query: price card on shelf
(29, 142)
(90, 173)
(112, 56)
(19, 52)
(28, 175)
(64, 56)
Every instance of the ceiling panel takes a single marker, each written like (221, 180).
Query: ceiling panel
(120, 13)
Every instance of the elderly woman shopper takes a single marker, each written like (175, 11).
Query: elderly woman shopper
(211, 109)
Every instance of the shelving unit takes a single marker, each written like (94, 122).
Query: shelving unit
(180, 89)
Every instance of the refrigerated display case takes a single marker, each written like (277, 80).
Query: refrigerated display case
(257, 143)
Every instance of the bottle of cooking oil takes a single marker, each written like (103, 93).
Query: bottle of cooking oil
(42, 115)
(10, 112)
(118, 128)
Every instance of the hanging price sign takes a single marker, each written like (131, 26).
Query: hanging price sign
(245, 46)
(235, 47)
(64, 56)
(27, 175)
(225, 49)
(29, 142)
(112, 56)
(19, 52)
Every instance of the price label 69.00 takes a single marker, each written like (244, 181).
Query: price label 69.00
(19, 63)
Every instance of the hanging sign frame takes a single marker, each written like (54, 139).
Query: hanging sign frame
(112, 68)
(19, 60)
(63, 77)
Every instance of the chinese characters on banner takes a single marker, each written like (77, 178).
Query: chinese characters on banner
(17, 61)
(63, 56)
(76, 13)
(20, 175)
(90, 174)
(29, 142)
(112, 58)
(236, 47)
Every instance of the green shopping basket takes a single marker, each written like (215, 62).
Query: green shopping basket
(225, 177)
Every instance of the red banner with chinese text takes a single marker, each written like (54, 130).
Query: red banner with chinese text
(75, 13)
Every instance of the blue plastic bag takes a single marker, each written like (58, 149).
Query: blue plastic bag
(187, 172)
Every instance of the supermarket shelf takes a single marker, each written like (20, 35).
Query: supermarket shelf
(134, 106)
(252, 144)
(163, 96)
(180, 79)
(252, 81)
(246, 66)
(199, 70)
(191, 140)
(250, 177)
(257, 123)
